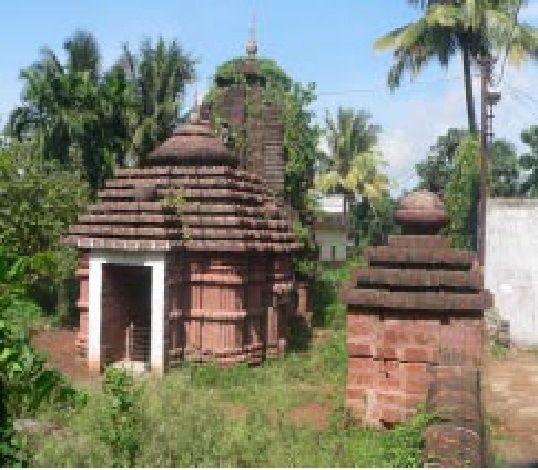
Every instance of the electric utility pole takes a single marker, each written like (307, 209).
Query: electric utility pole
(488, 99)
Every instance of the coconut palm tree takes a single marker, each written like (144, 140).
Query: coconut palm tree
(79, 117)
(349, 133)
(42, 114)
(470, 28)
(83, 54)
(160, 73)
(354, 165)
(94, 120)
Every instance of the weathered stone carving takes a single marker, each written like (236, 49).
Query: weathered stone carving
(417, 306)
(228, 246)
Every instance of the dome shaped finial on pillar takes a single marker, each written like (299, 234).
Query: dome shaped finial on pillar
(421, 213)
(252, 45)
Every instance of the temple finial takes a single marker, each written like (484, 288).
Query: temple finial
(252, 45)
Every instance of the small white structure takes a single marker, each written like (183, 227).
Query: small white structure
(511, 265)
(5, 142)
(331, 228)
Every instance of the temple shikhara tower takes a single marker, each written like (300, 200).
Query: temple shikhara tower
(188, 257)
(254, 119)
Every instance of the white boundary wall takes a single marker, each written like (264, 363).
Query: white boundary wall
(511, 265)
(156, 261)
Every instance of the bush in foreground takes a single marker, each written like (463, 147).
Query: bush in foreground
(212, 417)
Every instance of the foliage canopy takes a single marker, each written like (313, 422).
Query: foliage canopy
(467, 27)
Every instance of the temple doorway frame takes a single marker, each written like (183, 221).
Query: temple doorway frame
(157, 262)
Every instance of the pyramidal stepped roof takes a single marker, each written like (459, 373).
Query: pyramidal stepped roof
(190, 196)
(194, 142)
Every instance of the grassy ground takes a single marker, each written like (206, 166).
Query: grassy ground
(206, 416)
(287, 412)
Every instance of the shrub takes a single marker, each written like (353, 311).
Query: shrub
(26, 387)
(10, 443)
(38, 200)
(119, 426)
(28, 384)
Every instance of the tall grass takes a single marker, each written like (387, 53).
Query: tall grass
(208, 416)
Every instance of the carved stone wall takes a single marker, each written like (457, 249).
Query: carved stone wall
(418, 306)
(243, 107)
(227, 245)
(228, 309)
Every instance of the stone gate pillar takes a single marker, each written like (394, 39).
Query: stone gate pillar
(415, 309)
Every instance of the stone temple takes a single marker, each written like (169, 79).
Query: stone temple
(186, 258)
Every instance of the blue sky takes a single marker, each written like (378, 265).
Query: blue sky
(329, 43)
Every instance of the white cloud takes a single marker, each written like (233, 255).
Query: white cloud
(530, 13)
(418, 122)
(422, 120)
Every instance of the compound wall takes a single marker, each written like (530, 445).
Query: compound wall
(511, 267)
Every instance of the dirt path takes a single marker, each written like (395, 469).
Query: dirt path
(511, 401)
(59, 348)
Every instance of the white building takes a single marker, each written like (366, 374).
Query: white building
(331, 228)
(5, 142)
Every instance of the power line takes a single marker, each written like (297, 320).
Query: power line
(523, 93)
(381, 87)
(516, 95)
(512, 125)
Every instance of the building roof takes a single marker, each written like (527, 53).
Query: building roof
(190, 196)
(419, 271)
(192, 142)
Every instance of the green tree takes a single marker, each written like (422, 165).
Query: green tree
(440, 163)
(349, 133)
(434, 171)
(38, 200)
(504, 169)
(159, 73)
(461, 194)
(300, 146)
(354, 166)
(374, 220)
(95, 120)
(529, 162)
(452, 27)
(83, 54)
(353, 161)
(76, 115)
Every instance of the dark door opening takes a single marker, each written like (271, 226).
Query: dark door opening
(126, 313)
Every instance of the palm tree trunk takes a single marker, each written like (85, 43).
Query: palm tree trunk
(471, 114)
